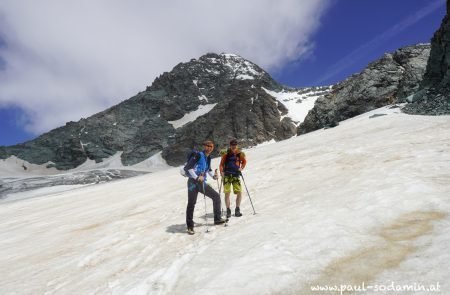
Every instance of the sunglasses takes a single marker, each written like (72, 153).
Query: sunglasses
(233, 144)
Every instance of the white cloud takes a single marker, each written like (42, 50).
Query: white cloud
(69, 59)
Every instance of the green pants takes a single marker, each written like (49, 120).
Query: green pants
(234, 180)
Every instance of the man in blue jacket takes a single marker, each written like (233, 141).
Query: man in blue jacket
(197, 168)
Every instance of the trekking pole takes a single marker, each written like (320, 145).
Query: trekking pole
(248, 194)
(206, 215)
(220, 190)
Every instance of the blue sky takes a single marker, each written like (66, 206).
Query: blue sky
(361, 26)
(63, 72)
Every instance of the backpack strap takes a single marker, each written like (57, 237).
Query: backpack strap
(193, 158)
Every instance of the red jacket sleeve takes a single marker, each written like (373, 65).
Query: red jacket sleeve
(243, 162)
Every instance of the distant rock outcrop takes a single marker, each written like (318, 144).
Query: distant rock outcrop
(433, 97)
(24, 184)
(388, 80)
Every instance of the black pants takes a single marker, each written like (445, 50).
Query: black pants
(194, 187)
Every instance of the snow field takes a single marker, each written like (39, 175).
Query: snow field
(190, 117)
(365, 201)
(298, 105)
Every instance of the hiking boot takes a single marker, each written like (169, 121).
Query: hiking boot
(237, 212)
(220, 221)
(190, 231)
(228, 212)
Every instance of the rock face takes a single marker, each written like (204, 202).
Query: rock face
(433, 97)
(388, 80)
(223, 93)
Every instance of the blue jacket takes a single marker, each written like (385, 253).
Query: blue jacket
(198, 164)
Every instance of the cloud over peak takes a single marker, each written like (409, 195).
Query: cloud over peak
(69, 59)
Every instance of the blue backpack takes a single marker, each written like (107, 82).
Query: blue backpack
(191, 154)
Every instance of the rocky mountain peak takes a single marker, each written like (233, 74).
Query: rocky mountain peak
(203, 81)
(217, 96)
(233, 65)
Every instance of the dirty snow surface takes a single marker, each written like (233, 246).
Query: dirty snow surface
(366, 202)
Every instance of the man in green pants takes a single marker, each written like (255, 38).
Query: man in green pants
(231, 165)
